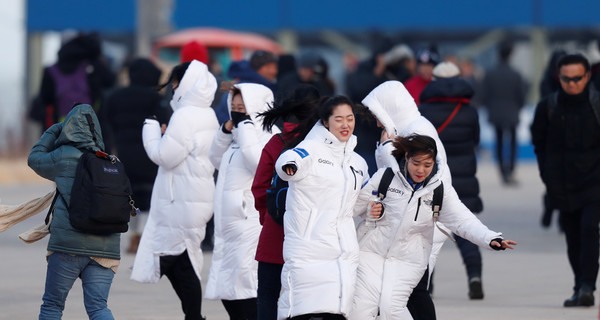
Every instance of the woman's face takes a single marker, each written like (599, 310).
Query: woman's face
(237, 104)
(419, 167)
(341, 122)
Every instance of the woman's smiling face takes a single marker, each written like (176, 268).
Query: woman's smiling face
(341, 122)
(419, 167)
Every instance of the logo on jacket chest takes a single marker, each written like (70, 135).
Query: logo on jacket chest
(395, 190)
(325, 161)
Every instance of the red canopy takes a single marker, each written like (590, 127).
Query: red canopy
(214, 37)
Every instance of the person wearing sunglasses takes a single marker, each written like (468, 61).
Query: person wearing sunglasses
(566, 137)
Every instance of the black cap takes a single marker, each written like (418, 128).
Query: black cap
(260, 58)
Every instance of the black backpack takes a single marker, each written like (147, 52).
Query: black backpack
(276, 195)
(101, 200)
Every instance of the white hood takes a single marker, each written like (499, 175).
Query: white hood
(257, 98)
(196, 88)
(393, 106)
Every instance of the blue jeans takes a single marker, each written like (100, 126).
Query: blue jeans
(269, 287)
(63, 270)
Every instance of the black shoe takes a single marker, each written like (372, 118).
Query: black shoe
(582, 298)
(586, 297)
(573, 301)
(475, 289)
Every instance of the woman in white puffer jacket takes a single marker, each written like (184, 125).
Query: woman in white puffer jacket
(184, 187)
(236, 151)
(395, 250)
(320, 249)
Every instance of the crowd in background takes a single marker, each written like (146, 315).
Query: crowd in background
(154, 131)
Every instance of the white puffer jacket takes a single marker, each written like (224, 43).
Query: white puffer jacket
(184, 187)
(395, 108)
(233, 270)
(320, 249)
(394, 253)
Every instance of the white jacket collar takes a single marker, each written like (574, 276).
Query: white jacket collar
(196, 88)
(320, 133)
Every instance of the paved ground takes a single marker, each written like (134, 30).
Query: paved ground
(528, 283)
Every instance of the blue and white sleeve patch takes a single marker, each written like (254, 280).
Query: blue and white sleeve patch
(364, 184)
(303, 153)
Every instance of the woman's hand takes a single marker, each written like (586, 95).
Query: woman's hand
(228, 125)
(290, 169)
(385, 137)
(504, 244)
(376, 209)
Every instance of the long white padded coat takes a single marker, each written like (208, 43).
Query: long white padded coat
(182, 196)
(390, 269)
(320, 249)
(233, 270)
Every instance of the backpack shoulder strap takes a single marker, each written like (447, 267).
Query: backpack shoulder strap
(51, 209)
(90, 122)
(438, 199)
(436, 206)
(384, 184)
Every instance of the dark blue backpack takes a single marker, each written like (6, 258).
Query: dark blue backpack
(276, 195)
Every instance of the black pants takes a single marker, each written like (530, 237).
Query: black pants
(181, 274)
(319, 316)
(419, 303)
(269, 287)
(471, 256)
(507, 166)
(244, 309)
(581, 233)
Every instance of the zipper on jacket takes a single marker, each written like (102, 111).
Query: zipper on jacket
(418, 206)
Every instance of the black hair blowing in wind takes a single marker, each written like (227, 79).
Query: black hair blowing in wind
(301, 107)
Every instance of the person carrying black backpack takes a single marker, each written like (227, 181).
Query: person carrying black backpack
(72, 253)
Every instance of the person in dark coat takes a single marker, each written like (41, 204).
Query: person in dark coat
(82, 54)
(445, 102)
(125, 111)
(504, 96)
(566, 137)
(550, 84)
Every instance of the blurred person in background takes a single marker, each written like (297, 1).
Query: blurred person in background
(426, 60)
(236, 150)
(311, 69)
(81, 74)
(445, 102)
(550, 84)
(296, 112)
(125, 110)
(566, 137)
(183, 192)
(261, 69)
(503, 94)
(386, 63)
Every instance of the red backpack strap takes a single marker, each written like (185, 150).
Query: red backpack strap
(445, 124)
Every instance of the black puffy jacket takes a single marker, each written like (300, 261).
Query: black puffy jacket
(460, 136)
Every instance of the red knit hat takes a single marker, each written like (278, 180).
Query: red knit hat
(194, 50)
